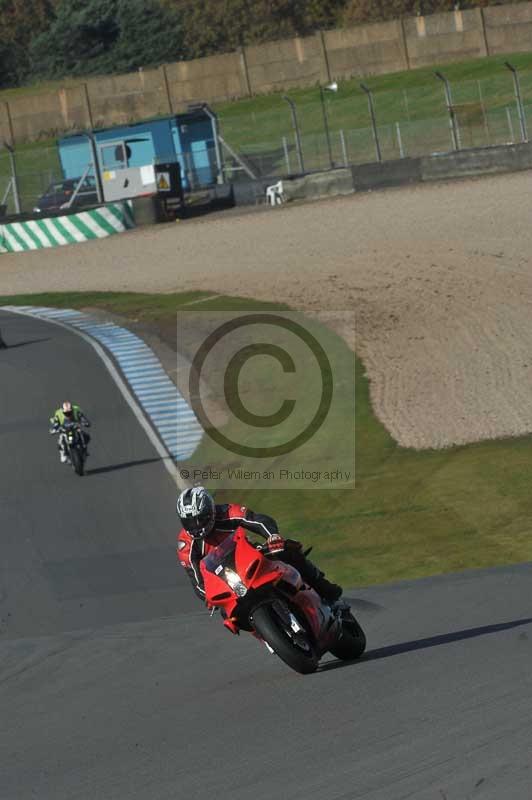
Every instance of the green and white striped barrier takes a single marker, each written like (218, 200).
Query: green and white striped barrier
(97, 223)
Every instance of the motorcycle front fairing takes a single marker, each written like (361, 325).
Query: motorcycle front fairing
(71, 431)
(236, 567)
(216, 568)
(259, 572)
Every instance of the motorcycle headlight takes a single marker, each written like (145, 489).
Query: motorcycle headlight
(235, 583)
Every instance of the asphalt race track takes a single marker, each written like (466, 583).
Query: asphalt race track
(115, 684)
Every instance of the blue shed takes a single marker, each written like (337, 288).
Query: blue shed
(126, 153)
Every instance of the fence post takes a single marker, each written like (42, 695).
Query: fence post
(518, 101)
(455, 134)
(295, 123)
(373, 122)
(326, 127)
(88, 106)
(324, 54)
(9, 123)
(286, 155)
(399, 140)
(96, 163)
(9, 188)
(14, 179)
(510, 125)
(245, 70)
(484, 36)
(344, 148)
(405, 42)
(167, 89)
(214, 121)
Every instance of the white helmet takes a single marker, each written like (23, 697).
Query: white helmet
(197, 511)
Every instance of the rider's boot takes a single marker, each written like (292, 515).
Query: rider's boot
(329, 592)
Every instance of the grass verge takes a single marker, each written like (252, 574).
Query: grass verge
(412, 514)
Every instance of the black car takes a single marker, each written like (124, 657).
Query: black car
(58, 195)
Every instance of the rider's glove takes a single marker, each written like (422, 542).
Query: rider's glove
(54, 429)
(275, 544)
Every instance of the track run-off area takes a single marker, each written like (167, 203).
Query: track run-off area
(438, 277)
(115, 683)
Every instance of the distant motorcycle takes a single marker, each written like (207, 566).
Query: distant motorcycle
(269, 599)
(71, 436)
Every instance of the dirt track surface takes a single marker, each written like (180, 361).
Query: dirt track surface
(440, 278)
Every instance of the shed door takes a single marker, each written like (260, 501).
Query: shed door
(120, 181)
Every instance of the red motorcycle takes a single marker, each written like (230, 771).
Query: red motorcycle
(269, 599)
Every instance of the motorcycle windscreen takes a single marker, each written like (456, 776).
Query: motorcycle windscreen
(221, 562)
(221, 557)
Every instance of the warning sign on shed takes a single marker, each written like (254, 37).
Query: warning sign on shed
(163, 181)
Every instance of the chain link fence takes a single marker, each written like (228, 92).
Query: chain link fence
(316, 129)
(334, 128)
(25, 176)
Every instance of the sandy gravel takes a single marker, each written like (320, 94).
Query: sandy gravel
(440, 278)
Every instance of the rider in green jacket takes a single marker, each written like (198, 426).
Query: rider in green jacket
(68, 412)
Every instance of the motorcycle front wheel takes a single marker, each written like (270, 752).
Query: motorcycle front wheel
(77, 461)
(296, 650)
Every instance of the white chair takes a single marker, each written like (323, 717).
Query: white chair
(274, 194)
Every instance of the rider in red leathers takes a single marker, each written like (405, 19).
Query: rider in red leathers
(206, 525)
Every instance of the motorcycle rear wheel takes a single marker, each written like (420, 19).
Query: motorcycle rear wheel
(270, 628)
(352, 641)
(77, 461)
